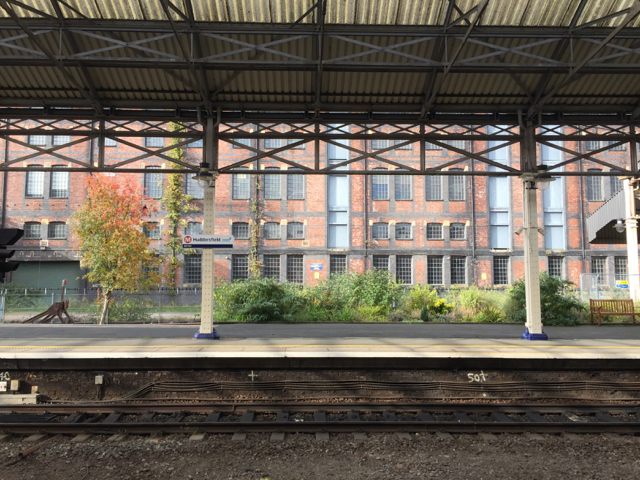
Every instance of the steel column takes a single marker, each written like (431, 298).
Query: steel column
(632, 241)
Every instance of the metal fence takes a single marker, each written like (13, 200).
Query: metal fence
(85, 305)
(602, 286)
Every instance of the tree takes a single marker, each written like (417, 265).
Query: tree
(111, 241)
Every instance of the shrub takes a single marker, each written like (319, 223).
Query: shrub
(15, 297)
(129, 310)
(367, 313)
(558, 307)
(488, 314)
(424, 314)
(425, 296)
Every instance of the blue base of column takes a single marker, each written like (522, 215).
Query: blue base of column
(534, 336)
(207, 336)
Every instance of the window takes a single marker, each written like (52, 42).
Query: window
(461, 144)
(457, 231)
(271, 143)
(434, 270)
(192, 269)
(594, 187)
(192, 188)
(403, 269)
(403, 231)
(196, 144)
(38, 140)
(616, 185)
(153, 183)
(598, 266)
(59, 184)
(403, 187)
(295, 140)
(239, 267)
(295, 185)
(500, 270)
(456, 186)
(35, 183)
(500, 197)
(408, 146)
(61, 139)
(380, 186)
(57, 230)
(243, 142)
(151, 230)
(241, 185)
(379, 144)
(381, 262)
(431, 146)
(380, 231)
(592, 145)
(146, 270)
(271, 231)
(295, 269)
(193, 228)
(271, 266)
(458, 270)
(337, 264)
(620, 265)
(110, 142)
(153, 142)
(434, 231)
(554, 266)
(621, 147)
(433, 187)
(499, 229)
(272, 185)
(32, 231)
(295, 231)
(240, 230)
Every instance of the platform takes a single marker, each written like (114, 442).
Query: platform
(310, 346)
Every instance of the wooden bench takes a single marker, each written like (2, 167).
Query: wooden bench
(604, 308)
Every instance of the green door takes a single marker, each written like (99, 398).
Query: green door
(47, 274)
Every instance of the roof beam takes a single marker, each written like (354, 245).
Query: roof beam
(322, 10)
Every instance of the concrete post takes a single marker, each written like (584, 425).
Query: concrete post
(632, 241)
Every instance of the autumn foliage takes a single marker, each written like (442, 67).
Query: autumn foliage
(111, 241)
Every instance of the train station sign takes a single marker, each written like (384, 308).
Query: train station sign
(207, 241)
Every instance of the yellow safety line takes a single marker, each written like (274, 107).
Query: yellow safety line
(327, 346)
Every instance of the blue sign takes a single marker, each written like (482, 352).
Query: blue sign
(316, 266)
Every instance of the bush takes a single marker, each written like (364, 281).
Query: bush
(425, 296)
(129, 310)
(424, 314)
(15, 297)
(558, 307)
(488, 314)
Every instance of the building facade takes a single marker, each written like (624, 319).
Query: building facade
(444, 230)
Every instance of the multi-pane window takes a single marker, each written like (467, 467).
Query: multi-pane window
(61, 139)
(193, 228)
(461, 144)
(380, 231)
(380, 186)
(399, 146)
(457, 231)
(295, 185)
(434, 231)
(240, 230)
(38, 140)
(272, 185)
(271, 266)
(35, 183)
(239, 267)
(592, 145)
(456, 186)
(271, 143)
(271, 231)
(295, 269)
(598, 266)
(458, 270)
(433, 187)
(243, 142)
(434, 270)
(57, 230)
(500, 270)
(153, 183)
(192, 188)
(192, 269)
(431, 146)
(295, 231)
(381, 262)
(32, 231)
(110, 142)
(59, 184)
(554, 266)
(404, 272)
(154, 142)
(337, 264)
(616, 185)
(621, 147)
(241, 185)
(594, 187)
(403, 187)
(403, 231)
(197, 144)
(151, 230)
(379, 144)
(620, 266)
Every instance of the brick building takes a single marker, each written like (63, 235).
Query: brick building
(442, 230)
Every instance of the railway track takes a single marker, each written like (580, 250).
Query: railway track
(151, 418)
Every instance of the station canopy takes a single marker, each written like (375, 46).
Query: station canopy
(366, 59)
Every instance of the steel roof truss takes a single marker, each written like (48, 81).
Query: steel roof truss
(270, 154)
(46, 151)
(586, 156)
(153, 153)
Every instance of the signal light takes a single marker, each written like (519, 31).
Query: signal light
(8, 236)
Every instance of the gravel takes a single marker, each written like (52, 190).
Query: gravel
(381, 456)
